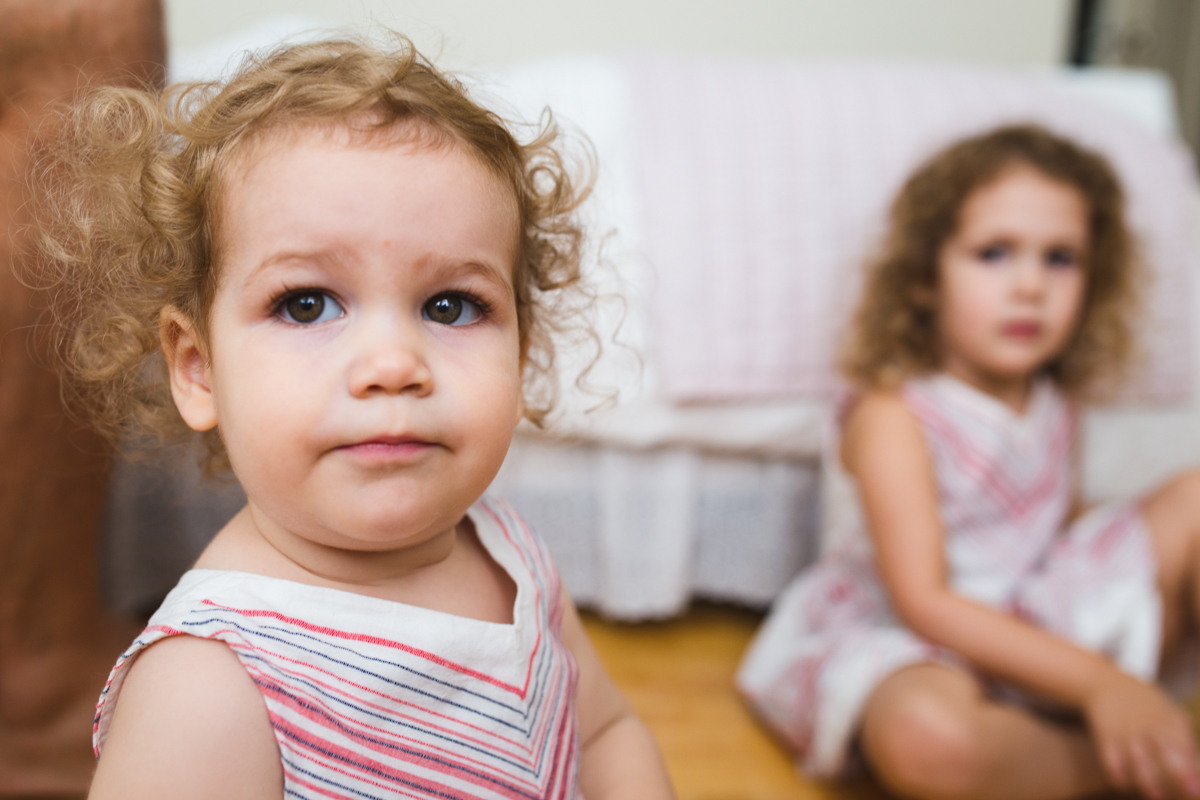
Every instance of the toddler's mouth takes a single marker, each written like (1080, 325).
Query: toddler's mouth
(389, 448)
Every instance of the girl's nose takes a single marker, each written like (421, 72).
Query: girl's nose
(1030, 277)
(390, 362)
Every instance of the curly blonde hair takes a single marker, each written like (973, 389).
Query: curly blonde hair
(127, 196)
(894, 334)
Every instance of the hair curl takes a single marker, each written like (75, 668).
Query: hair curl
(894, 334)
(127, 196)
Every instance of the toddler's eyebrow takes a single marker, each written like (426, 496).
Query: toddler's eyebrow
(488, 272)
(322, 256)
(439, 267)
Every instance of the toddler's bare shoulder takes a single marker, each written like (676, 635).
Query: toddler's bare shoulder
(187, 705)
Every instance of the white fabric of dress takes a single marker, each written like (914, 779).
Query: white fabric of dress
(1005, 485)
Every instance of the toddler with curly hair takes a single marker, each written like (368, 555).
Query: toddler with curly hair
(343, 271)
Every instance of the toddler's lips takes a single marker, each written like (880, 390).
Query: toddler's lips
(389, 448)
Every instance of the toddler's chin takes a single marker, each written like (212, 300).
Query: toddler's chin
(371, 530)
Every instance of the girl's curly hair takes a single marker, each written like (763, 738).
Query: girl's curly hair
(894, 334)
(127, 194)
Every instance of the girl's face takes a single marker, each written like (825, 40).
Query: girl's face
(364, 365)
(1011, 279)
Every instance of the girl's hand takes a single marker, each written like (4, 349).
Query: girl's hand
(1144, 739)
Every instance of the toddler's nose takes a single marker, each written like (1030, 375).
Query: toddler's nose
(390, 360)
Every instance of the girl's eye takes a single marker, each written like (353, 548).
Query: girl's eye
(452, 309)
(1061, 257)
(993, 252)
(308, 308)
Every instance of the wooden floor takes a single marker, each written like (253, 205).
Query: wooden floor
(679, 677)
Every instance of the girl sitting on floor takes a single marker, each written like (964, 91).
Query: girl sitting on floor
(981, 634)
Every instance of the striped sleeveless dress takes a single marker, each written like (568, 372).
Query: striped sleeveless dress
(1005, 487)
(375, 699)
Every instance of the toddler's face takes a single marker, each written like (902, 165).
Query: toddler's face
(1012, 277)
(365, 369)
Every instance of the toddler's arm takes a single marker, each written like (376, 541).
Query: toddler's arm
(620, 758)
(190, 725)
(1139, 732)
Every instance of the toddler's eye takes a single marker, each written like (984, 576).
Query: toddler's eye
(308, 308)
(451, 309)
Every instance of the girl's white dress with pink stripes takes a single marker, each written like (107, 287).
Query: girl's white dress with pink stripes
(1005, 489)
(375, 699)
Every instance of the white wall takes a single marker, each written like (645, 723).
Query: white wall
(470, 33)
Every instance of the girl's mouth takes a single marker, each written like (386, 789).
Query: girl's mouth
(1022, 330)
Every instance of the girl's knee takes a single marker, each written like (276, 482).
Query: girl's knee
(1182, 492)
(1188, 485)
(1173, 514)
(922, 745)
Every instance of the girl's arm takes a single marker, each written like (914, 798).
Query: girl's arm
(1138, 730)
(885, 451)
(190, 725)
(620, 758)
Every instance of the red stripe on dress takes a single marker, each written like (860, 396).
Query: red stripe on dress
(357, 726)
(340, 759)
(376, 640)
(309, 739)
(525, 750)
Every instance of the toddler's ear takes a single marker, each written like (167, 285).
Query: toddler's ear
(188, 369)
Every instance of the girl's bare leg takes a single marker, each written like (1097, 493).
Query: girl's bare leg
(929, 732)
(1173, 515)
